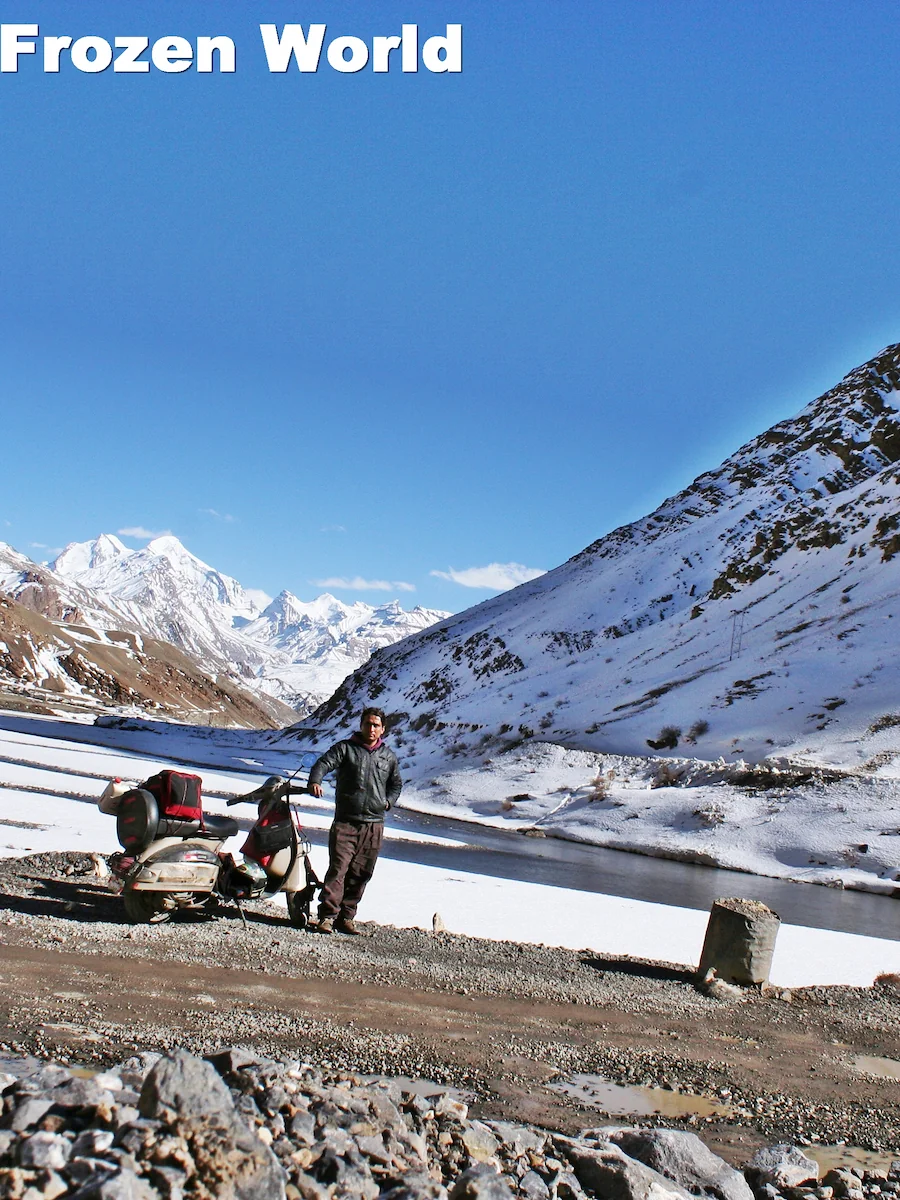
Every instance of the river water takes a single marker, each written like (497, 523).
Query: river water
(506, 854)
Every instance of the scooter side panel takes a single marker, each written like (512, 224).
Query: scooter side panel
(279, 863)
(178, 864)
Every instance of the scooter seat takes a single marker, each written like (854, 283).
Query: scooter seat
(220, 826)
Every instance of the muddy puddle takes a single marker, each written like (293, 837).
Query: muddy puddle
(622, 1100)
(829, 1157)
(870, 1064)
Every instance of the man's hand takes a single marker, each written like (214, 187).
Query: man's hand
(315, 789)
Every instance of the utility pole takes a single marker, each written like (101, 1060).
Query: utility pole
(737, 633)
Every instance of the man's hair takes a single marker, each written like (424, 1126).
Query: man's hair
(372, 712)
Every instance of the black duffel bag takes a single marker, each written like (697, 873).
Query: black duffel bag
(269, 839)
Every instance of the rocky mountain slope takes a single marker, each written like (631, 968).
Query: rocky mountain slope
(749, 616)
(60, 666)
(293, 651)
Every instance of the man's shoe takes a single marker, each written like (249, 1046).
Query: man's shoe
(326, 925)
(346, 925)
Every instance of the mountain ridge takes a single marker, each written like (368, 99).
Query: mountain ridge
(710, 613)
(293, 651)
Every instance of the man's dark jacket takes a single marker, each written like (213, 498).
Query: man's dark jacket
(367, 782)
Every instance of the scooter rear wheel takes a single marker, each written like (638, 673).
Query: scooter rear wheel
(145, 908)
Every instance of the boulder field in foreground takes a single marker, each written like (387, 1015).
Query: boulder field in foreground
(237, 1127)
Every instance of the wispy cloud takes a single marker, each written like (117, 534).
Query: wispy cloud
(495, 577)
(54, 550)
(142, 534)
(333, 529)
(212, 512)
(358, 584)
(260, 598)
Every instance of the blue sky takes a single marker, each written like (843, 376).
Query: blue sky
(368, 327)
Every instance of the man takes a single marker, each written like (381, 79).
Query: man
(367, 783)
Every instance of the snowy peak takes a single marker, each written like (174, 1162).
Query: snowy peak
(296, 651)
(79, 557)
(160, 575)
(844, 437)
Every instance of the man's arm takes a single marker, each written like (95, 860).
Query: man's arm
(394, 784)
(324, 766)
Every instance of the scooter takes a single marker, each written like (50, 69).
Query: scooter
(172, 858)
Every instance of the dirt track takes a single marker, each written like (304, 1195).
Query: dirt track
(497, 1019)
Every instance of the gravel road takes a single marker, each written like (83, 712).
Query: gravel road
(499, 1021)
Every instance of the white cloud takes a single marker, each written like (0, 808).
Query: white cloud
(333, 529)
(358, 584)
(142, 534)
(52, 550)
(212, 512)
(258, 597)
(495, 577)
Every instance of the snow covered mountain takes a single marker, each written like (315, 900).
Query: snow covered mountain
(168, 593)
(293, 651)
(316, 645)
(749, 616)
(61, 667)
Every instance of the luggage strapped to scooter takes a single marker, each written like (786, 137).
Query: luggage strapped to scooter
(178, 795)
(273, 831)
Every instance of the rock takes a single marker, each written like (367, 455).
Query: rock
(29, 1113)
(233, 1059)
(437, 924)
(416, 1187)
(844, 1184)
(567, 1187)
(181, 1084)
(446, 1106)
(53, 1186)
(124, 1186)
(533, 1187)
(100, 866)
(305, 1187)
(88, 1173)
(133, 1071)
(303, 1128)
(479, 1141)
(45, 1150)
(169, 1182)
(611, 1173)
(191, 1098)
(517, 1139)
(782, 1166)
(109, 1080)
(81, 1093)
(93, 1142)
(683, 1158)
(480, 1183)
(720, 990)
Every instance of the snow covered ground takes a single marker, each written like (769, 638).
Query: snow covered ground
(841, 831)
(48, 787)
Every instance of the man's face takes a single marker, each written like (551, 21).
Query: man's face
(371, 727)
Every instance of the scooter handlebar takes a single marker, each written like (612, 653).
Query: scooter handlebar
(273, 788)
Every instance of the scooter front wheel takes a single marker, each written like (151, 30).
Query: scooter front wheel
(298, 909)
(145, 908)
